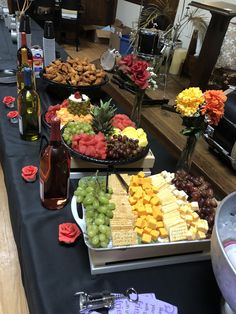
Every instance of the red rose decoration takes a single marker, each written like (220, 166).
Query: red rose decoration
(9, 101)
(128, 60)
(12, 114)
(28, 173)
(68, 232)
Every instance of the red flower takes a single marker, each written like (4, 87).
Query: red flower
(68, 232)
(214, 105)
(12, 114)
(28, 173)
(7, 100)
(139, 74)
(127, 60)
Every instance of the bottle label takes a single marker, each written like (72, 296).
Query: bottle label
(20, 125)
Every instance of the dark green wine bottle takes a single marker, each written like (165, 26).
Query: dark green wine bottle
(29, 109)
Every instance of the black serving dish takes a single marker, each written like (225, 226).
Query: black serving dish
(63, 91)
(106, 162)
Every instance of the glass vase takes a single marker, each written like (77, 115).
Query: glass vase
(185, 160)
(137, 107)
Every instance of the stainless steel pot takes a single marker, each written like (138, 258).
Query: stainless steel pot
(224, 271)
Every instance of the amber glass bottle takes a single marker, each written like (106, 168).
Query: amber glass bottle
(54, 171)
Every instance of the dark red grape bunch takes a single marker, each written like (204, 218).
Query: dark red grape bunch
(122, 147)
(198, 189)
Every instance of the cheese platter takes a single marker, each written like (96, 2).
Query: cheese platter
(137, 240)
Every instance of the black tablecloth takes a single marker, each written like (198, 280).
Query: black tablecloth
(51, 272)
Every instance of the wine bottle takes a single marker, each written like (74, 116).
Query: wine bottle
(29, 109)
(48, 43)
(19, 51)
(54, 171)
(24, 27)
(20, 70)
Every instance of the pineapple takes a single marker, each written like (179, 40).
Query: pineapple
(102, 117)
(78, 105)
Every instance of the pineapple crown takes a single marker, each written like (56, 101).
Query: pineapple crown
(102, 116)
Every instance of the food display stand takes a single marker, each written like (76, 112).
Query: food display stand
(52, 272)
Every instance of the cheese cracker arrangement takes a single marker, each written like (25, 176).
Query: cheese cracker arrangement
(153, 211)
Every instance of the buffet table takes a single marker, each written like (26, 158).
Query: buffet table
(52, 272)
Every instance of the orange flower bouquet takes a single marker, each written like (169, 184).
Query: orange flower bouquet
(197, 110)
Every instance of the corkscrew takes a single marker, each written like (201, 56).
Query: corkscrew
(105, 299)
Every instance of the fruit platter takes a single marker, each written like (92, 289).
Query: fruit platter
(164, 210)
(96, 133)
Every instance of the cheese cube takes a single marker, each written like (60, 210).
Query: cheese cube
(160, 224)
(154, 200)
(156, 212)
(139, 223)
(190, 235)
(195, 216)
(151, 223)
(194, 206)
(147, 230)
(139, 231)
(148, 210)
(141, 211)
(163, 233)
(132, 200)
(141, 174)
(202, 225)
(146, 199)
(200, 235)
(154, 234)
(146, 238)
(189, 218)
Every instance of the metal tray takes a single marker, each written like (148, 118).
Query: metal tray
(140, 251)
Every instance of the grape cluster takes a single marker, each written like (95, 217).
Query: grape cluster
(76, 128)
(119, 147)
(91, 192)
(198, 189)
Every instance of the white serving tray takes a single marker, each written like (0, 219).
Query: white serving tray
(111, 259)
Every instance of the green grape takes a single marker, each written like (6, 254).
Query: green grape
(89, 220)
(99, 221)
(110, 190)
(101, 194)
(111, 206)
(89, 189)
(104, 244)
(95, 240)
(90, 208)
(103, 209)
(109, 214)
(108, 196)
(102, 237)
(102, 229)
(108, 232)
(95, 204)
(91, 233)
(79, 199)
(95, 228)
(88, 200)
(103, 200)
(107, 221)
(89, 213)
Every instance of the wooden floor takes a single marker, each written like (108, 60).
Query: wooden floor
(12, 297)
